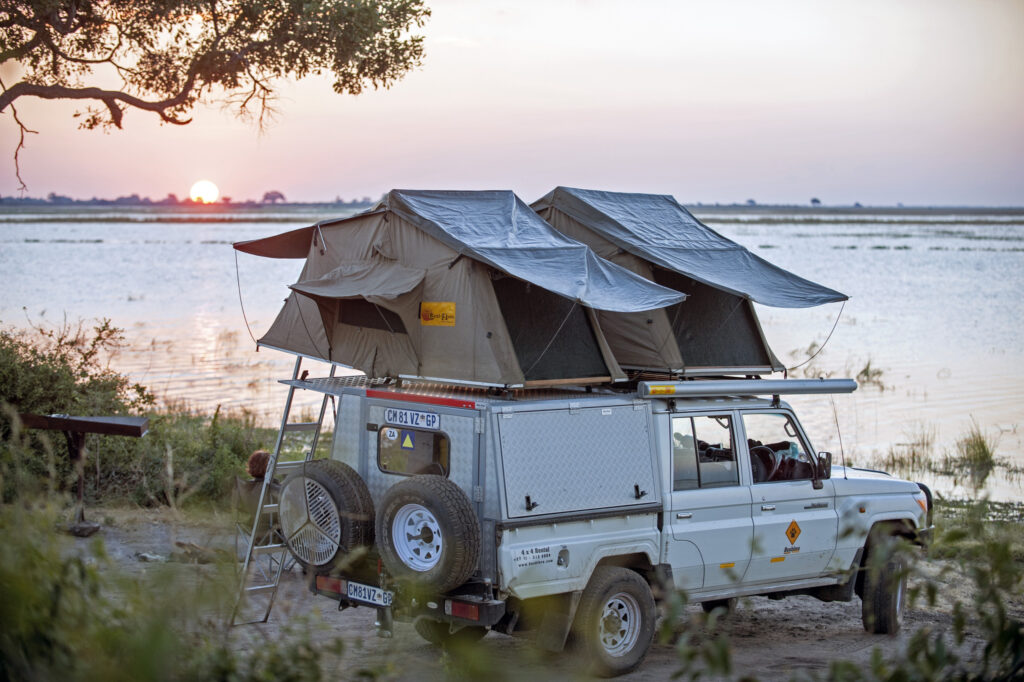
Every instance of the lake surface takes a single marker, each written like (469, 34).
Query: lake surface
(936, 304)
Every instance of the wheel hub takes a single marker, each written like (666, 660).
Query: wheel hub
(620, 624)
(417, 537)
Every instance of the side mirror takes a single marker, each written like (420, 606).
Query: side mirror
(824, 465)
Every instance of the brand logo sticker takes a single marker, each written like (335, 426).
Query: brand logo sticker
(437, 313)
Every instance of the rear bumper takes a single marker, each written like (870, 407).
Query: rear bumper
(487, 612)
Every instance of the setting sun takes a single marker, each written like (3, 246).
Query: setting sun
(204, 192)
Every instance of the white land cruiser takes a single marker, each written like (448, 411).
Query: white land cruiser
(573, 510)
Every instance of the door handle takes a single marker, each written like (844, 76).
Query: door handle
(767, 507)
(817, 505)
(684, 515)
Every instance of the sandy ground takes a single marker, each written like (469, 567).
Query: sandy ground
(771, 640)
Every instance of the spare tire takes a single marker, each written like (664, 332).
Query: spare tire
(326, 513)
(428, 533)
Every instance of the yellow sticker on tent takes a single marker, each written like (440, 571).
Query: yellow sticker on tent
(437, 313)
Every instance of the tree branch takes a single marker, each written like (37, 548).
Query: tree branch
(110, 98)
(55, 49)
(22, 129)
(24, 49)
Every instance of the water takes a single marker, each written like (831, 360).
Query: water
(935, 304)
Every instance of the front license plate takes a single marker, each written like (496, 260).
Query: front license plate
(414, 418)
(369, 594)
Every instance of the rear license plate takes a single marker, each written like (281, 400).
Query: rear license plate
(413, 418)
(369, 594)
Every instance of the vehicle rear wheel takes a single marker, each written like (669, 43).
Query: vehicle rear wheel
(885, 589)
(440, 634)
(428, 533)
(615, 621)
(326, 514)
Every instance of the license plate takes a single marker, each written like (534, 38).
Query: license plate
(369, 594)
(414, 418)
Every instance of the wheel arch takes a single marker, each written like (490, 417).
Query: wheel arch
(900, 527)
(639, 562)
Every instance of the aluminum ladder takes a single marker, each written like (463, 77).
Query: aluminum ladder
(277, 548)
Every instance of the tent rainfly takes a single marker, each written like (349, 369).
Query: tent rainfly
(716, 331)
(470, 287)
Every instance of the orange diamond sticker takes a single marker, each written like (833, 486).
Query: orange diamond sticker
(793, 532)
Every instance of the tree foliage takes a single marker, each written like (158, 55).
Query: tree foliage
(164, 56)
(62, 369)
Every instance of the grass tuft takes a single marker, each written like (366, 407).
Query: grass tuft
(972, 460)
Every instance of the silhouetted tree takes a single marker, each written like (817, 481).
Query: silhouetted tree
(168, 54)
(272, 197)
(815, 201)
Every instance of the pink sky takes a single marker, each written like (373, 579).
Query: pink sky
(877, 101)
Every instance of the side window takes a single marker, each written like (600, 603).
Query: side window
(776, 451)
(684, 455)
(716, 458)
(412, 451)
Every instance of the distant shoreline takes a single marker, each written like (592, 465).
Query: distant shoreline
(127, 210)
(135, 202)
(308, 213)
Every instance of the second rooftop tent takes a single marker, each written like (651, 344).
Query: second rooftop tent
(462, 286)
(716, 331)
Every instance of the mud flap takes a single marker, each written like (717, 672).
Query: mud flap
(385, 623)
(557, 620)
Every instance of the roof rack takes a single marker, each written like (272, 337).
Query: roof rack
(774, 387)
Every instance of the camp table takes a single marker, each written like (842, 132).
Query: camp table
(74, 429)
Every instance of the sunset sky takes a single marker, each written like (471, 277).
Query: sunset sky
(876, 101)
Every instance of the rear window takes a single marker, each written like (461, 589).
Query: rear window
(702, 454)
(412, 451)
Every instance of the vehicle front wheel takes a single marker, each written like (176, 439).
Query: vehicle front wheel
(615, 621)
(885, 590)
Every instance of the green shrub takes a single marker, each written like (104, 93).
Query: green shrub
(60, 370)
(70, 615)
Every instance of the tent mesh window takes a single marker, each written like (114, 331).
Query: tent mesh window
(359, 312)
(713, 328)
(533, 316)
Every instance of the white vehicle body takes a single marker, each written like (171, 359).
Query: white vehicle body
(563, 482)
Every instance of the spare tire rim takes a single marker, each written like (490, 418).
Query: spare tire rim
(619, 627)
(417, 536)
(310, 521)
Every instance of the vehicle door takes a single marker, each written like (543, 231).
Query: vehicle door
(795, 525)
(710, 510)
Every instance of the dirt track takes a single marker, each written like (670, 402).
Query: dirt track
(771, 640)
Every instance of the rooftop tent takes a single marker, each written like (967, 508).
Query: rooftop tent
(716, 331)
(461, 286)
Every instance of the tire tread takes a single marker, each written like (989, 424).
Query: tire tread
(460, 558)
